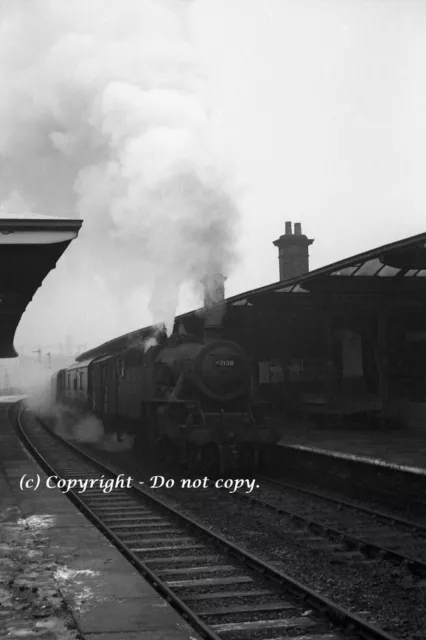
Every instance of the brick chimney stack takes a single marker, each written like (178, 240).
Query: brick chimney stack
(293, 252)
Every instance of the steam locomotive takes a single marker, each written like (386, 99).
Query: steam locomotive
(186, 396)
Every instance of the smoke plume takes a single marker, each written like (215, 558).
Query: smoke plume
(70, 422)
(33, 381)
(101, 118)
(85, 428)
(74, 424)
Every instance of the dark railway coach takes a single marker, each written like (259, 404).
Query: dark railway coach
(184, 396)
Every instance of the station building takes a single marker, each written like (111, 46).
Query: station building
(345, 340)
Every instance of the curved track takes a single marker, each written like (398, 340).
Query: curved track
(222, 590)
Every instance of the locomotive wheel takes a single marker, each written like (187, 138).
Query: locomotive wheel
(202, 460)
(249, 459)
(183, 453)
(148, 442)
(148, 430)
(193, 463)
(210, 459)
(165, 451)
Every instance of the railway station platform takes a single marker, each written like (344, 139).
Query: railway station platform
(401, 447)
(60, 578)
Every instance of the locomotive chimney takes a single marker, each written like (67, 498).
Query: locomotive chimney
(214, 305)
(293, 252)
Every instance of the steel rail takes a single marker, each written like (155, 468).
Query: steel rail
(364, 546)
(141, 566)
(359, 488)
(381, 515)
(342, 618)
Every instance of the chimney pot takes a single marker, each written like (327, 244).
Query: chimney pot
(293, 252)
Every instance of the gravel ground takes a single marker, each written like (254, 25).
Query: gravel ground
(418, 517)
(349, 520)
(381, 593)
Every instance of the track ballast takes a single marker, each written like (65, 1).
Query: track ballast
(373, 534)
(219, 588)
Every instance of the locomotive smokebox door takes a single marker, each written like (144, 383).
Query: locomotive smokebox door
(223, 370)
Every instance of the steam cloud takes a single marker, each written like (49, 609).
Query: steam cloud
(73, 424)
(84, 428)
(101, 118)
(69, 422)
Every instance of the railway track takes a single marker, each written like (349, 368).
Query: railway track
(358, 532)
(223, 591)
(379, 514)
(390, 486)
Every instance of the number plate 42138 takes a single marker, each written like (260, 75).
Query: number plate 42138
(224, 363)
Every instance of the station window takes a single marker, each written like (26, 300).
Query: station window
(120, 367)
(75, 382)
(81, 380)
(68, 381)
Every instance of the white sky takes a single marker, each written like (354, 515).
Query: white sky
(320, 108)
(323, 111)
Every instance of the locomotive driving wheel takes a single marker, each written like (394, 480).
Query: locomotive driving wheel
(149, 430)
(166, 451)
(193, 461)
(210, 459)
(203, 459)
(249, 459)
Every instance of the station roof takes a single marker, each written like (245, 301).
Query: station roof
(398, 268)
(30, 246)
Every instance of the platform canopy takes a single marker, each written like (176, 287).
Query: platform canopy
(30, 247)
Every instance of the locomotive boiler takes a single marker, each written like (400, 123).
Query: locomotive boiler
(187, 398)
